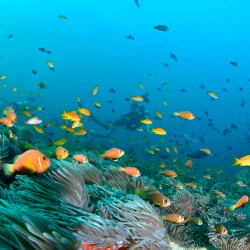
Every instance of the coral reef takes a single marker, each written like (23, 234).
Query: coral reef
(92, 206)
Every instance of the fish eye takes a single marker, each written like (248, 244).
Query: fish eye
(44, 158)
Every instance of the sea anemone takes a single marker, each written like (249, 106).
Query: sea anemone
(23, 228)
(183, 203)
(180, 234)
(228, 242)
(114, 177)
(100, 233)
(97, 192)
(24, 133)
(90, 173)
(140, 219)
(7, 149)
(60, 194)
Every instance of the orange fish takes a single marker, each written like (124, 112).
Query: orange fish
(186, 115)
(173, 218)
(220, 229)
(169, 173)
(134, 172)
(146, 121)
(243, 161)
(137, 98)
(207, 177)
(30, 162)
(241, 202)
(72, 116)
(189, 164)
(84, 111)
(113, 154)
(6, 121)
(154, 196)
(95, 90)
(81, 131)
(80, 158)
(158, 131)
(71, 130)
(61, 153)
(191, 185)
(219, 193)
(76, 124)
(179, 186)
(206, 151)
(11, 115)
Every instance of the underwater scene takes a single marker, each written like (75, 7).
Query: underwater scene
(124, 124)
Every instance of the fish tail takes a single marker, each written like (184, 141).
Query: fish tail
(137, 192)
(152, 130)
(160, 171)
(175, 114)
(185, 221)
(236, 162)
(231, 208)
(8, 169)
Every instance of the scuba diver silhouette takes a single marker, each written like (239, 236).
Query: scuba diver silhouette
(128, 121)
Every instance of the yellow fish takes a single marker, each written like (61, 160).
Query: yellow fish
(50, 64)
(243, 161)
(141, 85)
(38, 129)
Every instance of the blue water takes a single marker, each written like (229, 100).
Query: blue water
(90, 49)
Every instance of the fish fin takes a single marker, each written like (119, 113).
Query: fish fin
(15, 158)
(231, 208)
(236, 162)
(175, 114)
(119, 168)
(29, 165)
(114, 159)
(8, 169)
